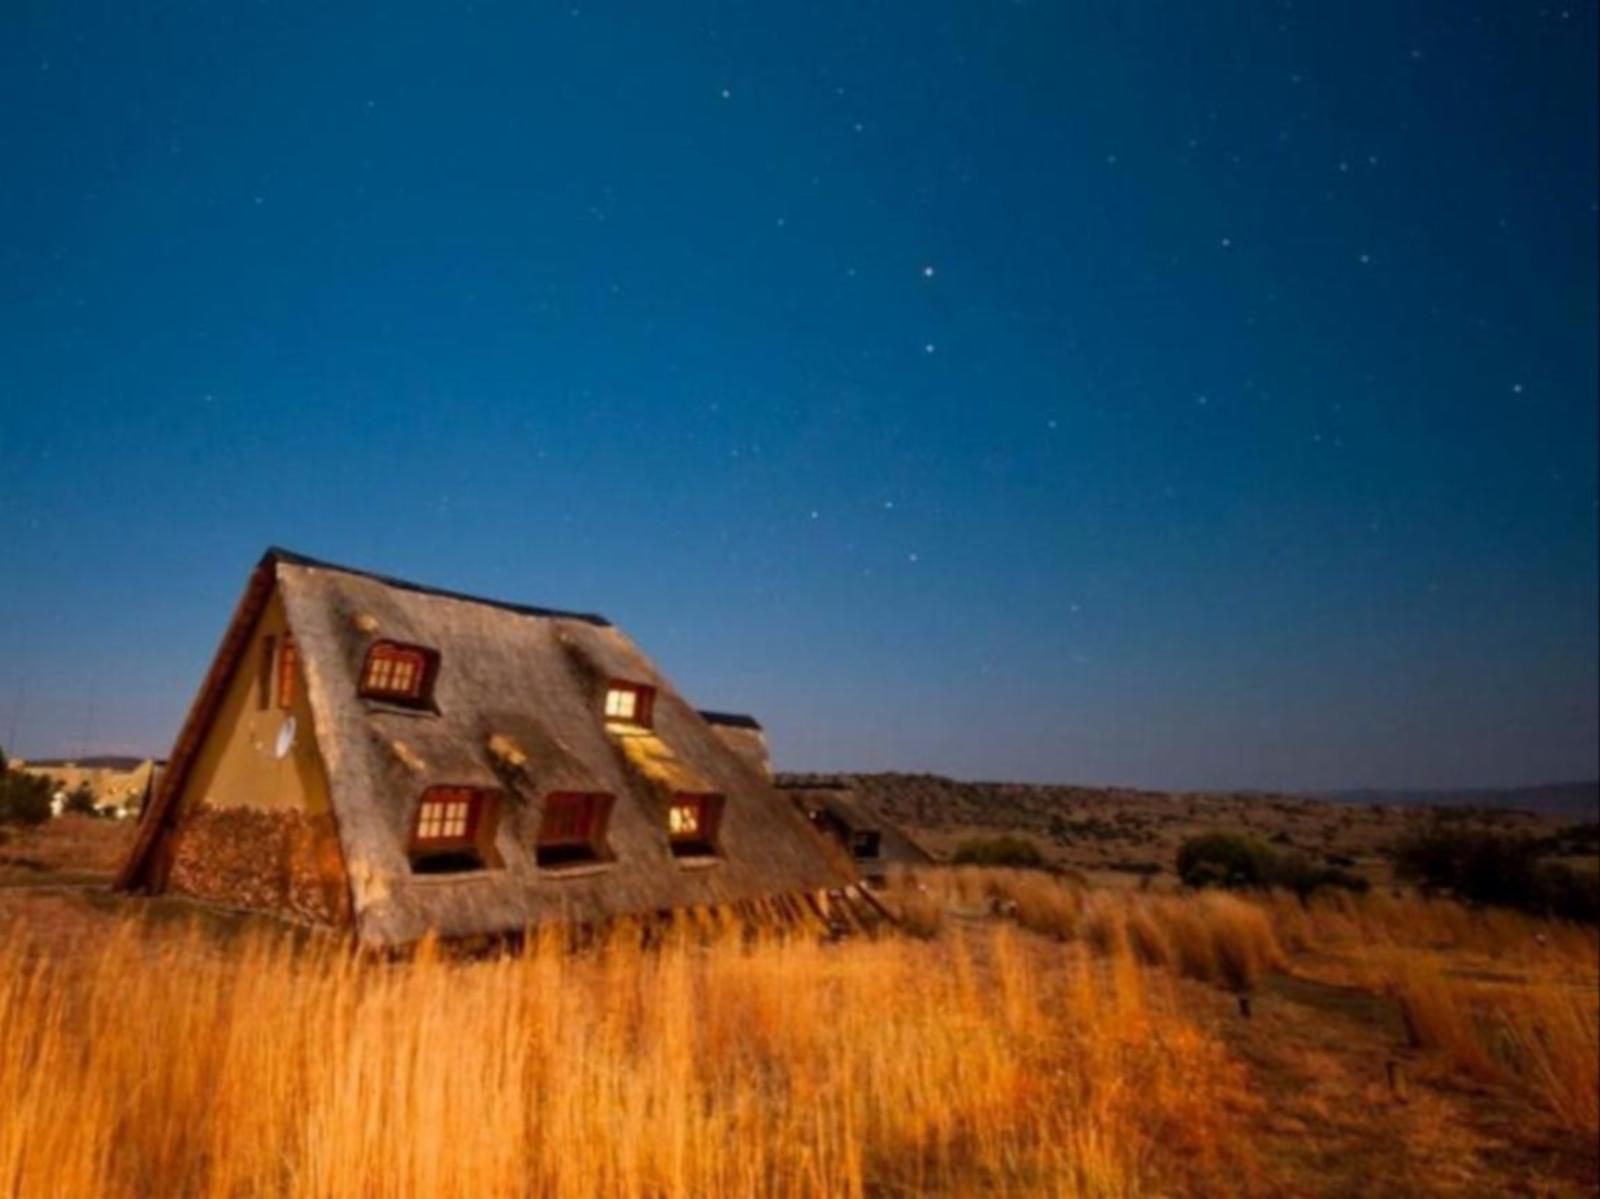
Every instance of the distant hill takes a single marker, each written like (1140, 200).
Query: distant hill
(93, 762)
(1576, 801)
(1126, 830)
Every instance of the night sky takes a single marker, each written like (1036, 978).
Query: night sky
(1188, 395)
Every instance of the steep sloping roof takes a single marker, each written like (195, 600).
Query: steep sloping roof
(851, 812)
(535, 678)
(733, 720)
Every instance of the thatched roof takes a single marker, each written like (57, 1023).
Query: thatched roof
(532, 682)
(850, 813)
(732, 720)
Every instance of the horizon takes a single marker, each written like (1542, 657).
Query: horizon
(1003, 393)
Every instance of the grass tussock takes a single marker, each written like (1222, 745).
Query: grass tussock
(980, 1062)
(1541, 1037)
(1213, 936)
(1506, 998)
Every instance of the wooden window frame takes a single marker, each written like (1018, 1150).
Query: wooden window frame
(288, 659)
(866, 845)
(557, 847)
(644, 705)
(266, 672)
(705, 840)
(424, 663)
(475, 838)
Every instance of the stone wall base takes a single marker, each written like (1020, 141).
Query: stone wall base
(288, 863)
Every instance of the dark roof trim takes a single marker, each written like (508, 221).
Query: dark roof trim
(290, 558)
(731, 719)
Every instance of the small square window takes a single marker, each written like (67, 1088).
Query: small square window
(454, 831)
(630, 704)
(573, 828)
(692, 823)
(398, 673)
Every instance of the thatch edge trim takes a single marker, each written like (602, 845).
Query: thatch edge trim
(197, 724)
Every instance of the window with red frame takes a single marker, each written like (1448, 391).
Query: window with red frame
(264, 673)
(398, 673)
(573, 828)
(692, 822)
(630, 704)
(454, 831)
(287, 657)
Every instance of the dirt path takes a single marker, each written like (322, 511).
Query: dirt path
(1329, 1124)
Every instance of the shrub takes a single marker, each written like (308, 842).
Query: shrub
(1229, 860)
(1224, 860)
(1294, 872)
(1496, 870)
(999, 851)
(81, 801)
(24, 798)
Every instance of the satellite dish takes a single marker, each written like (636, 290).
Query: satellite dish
(285, 742)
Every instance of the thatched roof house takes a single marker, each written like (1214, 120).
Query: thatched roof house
(744, 735)
(835, 809)
(398, 759)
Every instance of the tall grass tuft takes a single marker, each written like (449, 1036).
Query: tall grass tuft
(707, 1065)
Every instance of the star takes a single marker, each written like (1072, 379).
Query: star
(1226, 242)
(927, 272)
(1516, 389)
(727, 94)
(929, 348)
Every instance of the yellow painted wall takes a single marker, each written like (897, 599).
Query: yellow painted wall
(236, 768)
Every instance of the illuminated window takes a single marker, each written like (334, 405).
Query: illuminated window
(692, 822)
(287, 658)
(573, 828)
(629, 704)
(454, 831)
(445, 817)
(400, 673)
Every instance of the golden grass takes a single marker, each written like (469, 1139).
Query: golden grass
(1505, 998)
(712, 1065)
(1212, 937)
(1539, 1036)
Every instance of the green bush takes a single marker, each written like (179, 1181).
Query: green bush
(81, 800)
(999, 851)
(1234, 861)
(24, 798)
(1295, 872)
(1224, 860)
(1497, 870)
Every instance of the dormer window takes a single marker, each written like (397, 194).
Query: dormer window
(630, 704)
(454, 831)
(573, 828)
(401, 674)
(692, 823)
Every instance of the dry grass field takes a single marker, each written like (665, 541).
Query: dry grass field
(1108, 832)
(1020, 1035)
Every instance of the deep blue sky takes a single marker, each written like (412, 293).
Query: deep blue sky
(1243, 433)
